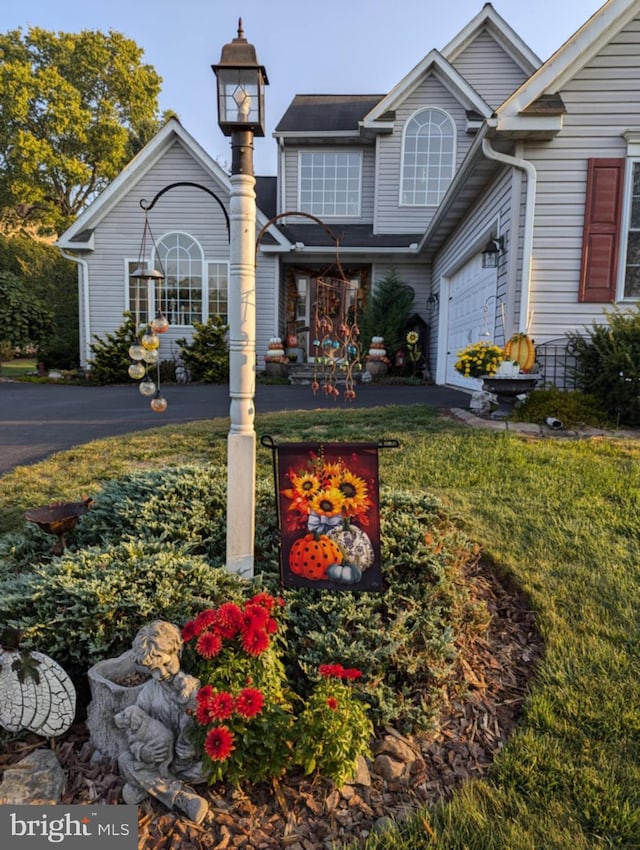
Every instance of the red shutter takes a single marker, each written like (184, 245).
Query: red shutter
(602, 217)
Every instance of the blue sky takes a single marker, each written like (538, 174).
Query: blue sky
(328, 46)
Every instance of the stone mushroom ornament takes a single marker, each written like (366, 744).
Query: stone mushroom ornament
(35, 692)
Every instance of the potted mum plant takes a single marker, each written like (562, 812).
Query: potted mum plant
(479, 359)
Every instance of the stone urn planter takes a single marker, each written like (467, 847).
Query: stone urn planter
(276, 369)
(114, 684)
(507, 388)
(377, 368)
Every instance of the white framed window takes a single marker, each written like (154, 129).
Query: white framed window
(428, 158)
(631, 263)
(181, 292)
(329, 183)
(218, 289)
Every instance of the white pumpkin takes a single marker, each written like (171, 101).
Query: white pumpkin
(35, 694)
(355, 544)
(344, 573)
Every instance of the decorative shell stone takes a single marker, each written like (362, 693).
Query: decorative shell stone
(35, 694)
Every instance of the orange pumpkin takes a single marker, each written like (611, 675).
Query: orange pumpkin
(311, 556)
(520, 348)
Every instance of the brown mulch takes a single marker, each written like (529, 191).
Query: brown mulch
(479, 711)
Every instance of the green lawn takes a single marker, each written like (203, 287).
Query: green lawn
(16, 368)
(562, 517)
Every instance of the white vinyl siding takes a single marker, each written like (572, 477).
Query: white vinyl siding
(329, 183)
(602, 104)
(428, 154)
(489, 69)
(390, 216)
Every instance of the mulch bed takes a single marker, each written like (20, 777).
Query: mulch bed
(297, 813)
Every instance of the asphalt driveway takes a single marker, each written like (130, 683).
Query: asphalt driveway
(39, 419)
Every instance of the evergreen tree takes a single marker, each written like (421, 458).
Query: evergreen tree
(206, 357)
(111, 360)
(387, 312)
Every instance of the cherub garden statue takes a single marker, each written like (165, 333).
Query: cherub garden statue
(160, 759)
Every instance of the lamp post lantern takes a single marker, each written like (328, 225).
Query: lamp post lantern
(240, 83)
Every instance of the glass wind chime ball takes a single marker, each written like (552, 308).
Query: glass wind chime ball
(151, 356)
(137, 370)
(160, 324)
(150, 341)
(147, 387)
(158, 403)
(136, 351)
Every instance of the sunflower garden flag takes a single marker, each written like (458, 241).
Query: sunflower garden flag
(329, 516)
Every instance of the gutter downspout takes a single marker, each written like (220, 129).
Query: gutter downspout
(527, 241)
(85, 300)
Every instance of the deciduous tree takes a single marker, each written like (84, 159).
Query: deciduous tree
(74, 108)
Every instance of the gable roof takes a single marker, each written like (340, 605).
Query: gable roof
(570, 58)
(312, 113)
(488, 20)
(433, 62)
(80, 234)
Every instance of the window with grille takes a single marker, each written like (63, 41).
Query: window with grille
(329, 183)
(428, 157)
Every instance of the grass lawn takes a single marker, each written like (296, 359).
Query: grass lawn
(562, 517)
(16, 368)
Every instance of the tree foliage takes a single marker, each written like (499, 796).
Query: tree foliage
(206, 357)
(387, 312)
(53, 281)
(26, 319)
(110, 360)
(74, 108)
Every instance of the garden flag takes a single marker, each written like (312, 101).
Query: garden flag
(329, 515)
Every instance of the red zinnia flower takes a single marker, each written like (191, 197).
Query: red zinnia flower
(205, 619)
(255, 641)
(209, 644)
(351, 673)
(204, 693)
(329, 670)
(228, 620)
(220, 705)
(219, 743)
(265, 599)
(189, 630)
(249, 702)
(254, 617)
(202, 714)
(332, 703)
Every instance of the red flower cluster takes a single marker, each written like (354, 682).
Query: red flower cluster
(213, 706)
(337, 671)
(220, 705)
(251, 624)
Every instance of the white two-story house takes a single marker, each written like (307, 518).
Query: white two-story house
(480, 144)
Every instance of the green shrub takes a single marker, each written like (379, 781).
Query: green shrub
(386, 313)
(573, 408)
(26, 319)
(608, 363)
(111, 360)
(153, 543)
(88, 605)
(206, 357)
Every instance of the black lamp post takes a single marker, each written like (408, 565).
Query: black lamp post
(241, 81)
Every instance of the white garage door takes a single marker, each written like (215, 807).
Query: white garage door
(470, 315)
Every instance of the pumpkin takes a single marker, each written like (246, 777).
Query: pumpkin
(312, 555)
(35, 694)
(520, 349)
(344, 573)
(355, 544)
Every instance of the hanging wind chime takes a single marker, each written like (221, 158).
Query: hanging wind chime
(145, 351)
(336, 337)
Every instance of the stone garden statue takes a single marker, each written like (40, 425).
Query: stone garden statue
(159, 758)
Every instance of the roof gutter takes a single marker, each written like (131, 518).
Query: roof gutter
(84, 273)
(527, 241)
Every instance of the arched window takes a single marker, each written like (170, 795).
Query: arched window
(427, 158)
(181, 291)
